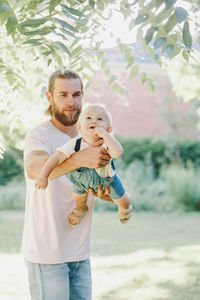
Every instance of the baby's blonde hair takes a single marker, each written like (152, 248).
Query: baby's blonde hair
(96, 105)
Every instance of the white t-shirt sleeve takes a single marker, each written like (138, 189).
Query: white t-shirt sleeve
(35, 140)
(68, 148)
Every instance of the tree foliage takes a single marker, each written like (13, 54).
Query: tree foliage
(40, 34)
(61, 30)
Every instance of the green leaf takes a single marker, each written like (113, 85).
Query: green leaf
(49, 61)
(187, 38)
(159, 43)
(151, 4)
(33, 22)
(133, 72)
(152, 85)
(53, 4)
(144, 77)
(10, 75)
(164, 14)
(149, 34)
(115, 87)
(111, 79)
(169, 3)
(62, 47)
(158, 3)
(66, 25)
(185, 55)
(4, 7)
(181, 14)
(169, 49)
(92, 3)
(77, 50)
(131, 24)
(172, 21)
(100, 55)
(35, 42)
(174, 37)
(11, 24)
(100, 5)
(140, 19)
(130, 62)
(67, 32)
(43, 31)
(58, 60)
(73, 11)
(68, 15)
(5, 11)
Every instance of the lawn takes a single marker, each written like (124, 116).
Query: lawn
(156, 256)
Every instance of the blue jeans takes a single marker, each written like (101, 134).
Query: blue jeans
(66, 281)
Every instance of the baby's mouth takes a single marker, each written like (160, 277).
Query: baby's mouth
(92, 127)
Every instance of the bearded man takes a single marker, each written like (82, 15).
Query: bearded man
(57, 256)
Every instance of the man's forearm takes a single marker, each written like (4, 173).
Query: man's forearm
(69, 165)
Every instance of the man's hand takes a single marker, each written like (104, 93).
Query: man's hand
(93, 156)
(104, 195)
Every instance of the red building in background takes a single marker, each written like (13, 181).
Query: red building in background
(142, 113)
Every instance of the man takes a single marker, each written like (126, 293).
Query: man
(57, 256)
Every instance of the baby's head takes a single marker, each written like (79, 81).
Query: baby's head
(94, 115)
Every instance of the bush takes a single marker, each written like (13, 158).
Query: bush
(183, 186)
(11, 165)
(12, 196)
(160, 152)
(147, 192)
(177, 187)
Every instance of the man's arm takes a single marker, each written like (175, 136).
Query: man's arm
(91, 157)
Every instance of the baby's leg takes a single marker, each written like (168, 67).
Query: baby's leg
(124, 208)
(80, 200)
(81, 208)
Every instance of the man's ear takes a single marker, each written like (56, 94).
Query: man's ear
(109, 129)
(49, 97)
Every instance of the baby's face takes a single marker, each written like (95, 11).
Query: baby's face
(93, 117)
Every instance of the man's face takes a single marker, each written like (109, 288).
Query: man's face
(66, 100)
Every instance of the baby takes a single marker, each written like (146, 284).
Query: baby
(94, 123)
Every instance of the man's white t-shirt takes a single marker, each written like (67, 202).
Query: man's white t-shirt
(47, 236)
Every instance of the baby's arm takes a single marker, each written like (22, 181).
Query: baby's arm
(51, 163)
(114, 147)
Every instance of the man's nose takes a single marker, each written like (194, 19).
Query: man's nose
(69, 99)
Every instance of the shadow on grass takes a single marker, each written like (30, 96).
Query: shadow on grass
(151, 279)
(145, 230)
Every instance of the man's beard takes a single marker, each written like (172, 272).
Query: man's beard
(63, 119)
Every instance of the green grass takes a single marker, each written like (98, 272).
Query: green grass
(156, 256)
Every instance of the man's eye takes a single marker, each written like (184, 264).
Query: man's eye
(77, 95)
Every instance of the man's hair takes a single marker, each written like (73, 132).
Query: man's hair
(96, 105)
(66, 74)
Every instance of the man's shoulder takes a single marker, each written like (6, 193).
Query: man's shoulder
(39, 129)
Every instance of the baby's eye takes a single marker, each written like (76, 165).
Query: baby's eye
(100, 119)
(88, 118)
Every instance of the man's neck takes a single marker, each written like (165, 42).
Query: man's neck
(69, 130)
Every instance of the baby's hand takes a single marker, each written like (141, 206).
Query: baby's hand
(41, 183)
(99, 131)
